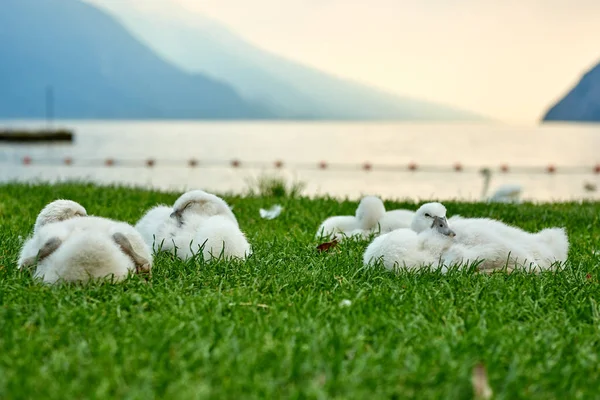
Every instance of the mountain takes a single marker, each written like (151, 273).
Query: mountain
(198, 44)
(98, 69)
(582, 103)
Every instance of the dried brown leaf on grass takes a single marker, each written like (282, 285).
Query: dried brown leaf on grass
(327, 245)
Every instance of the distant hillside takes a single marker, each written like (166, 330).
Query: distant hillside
(582, 103)
(290, 89)
(97, 69)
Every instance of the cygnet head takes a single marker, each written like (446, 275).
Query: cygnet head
(431, 216)
(199, 202)
(59, 210)
(370, 210)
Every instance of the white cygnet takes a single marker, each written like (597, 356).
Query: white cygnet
(198, 220)
(512, 247)
(365, 221)
(215, 236)
(419, 247)
(80, 249)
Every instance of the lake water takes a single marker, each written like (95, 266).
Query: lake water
(329, 157)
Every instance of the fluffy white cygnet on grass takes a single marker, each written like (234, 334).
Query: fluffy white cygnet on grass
(370, 218)
(488, 257)
(80, 249)
(418, 247)
(215, 237)
(499, 246)
(161, 224)
(514, 247)
(370, 210)
(80, 256)
(198, 220)
(491, 244)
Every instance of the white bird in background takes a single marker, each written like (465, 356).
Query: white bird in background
(508, 193)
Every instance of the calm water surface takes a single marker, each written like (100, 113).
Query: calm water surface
(389, 148)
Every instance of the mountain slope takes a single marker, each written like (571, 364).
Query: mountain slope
(198, 44)
(97, 69)
(582, 103)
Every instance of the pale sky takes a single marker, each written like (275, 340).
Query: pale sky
(508, 59)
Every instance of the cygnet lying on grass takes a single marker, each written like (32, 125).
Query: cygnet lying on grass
(533, 251)
(197, 220)
(488, 257)
(215, 236)
(370, 210)
(75, 254)
(161, 224)
(371, 218)
(80, 249)
(418, 247)
(438, 242)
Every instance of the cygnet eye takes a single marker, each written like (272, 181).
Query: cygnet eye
(427, 215)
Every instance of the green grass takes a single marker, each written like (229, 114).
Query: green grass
(273, 327)
(273, 185)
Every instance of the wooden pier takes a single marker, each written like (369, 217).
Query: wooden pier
(33, 136)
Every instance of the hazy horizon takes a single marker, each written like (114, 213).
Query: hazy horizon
(508, 61)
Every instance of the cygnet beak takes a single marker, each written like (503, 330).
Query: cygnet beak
(441, 225)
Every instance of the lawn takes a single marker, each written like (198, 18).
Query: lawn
(276, 327)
